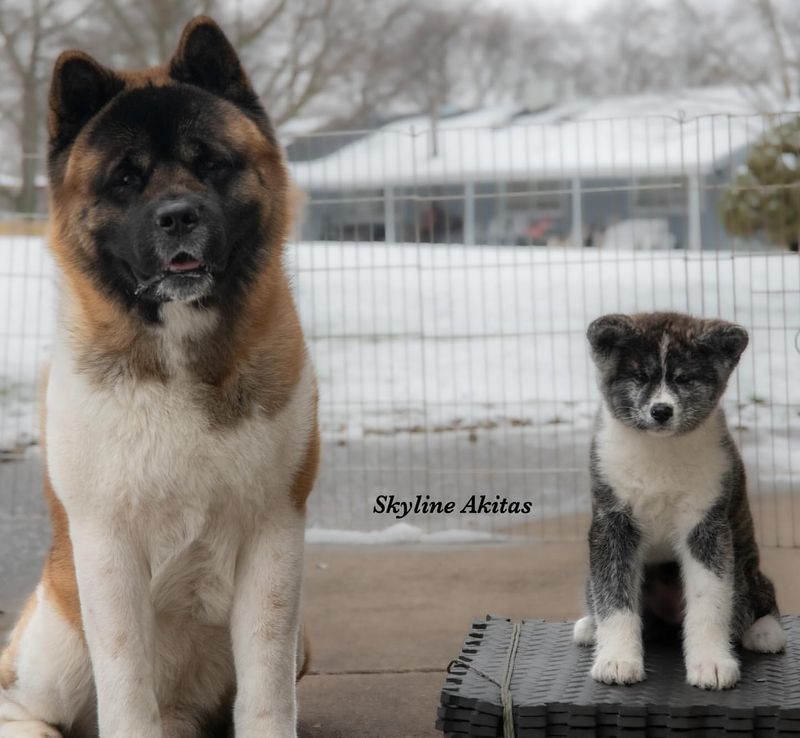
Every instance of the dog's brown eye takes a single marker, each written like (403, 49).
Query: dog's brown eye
(128, 179)
(210, 166)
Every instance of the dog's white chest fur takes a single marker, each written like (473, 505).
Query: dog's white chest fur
(145, 454)
(668, 482)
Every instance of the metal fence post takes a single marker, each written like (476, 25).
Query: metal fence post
(469, 213)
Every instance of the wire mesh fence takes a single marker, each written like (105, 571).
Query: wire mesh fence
(445, 277)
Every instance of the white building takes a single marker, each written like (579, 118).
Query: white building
(572, 173)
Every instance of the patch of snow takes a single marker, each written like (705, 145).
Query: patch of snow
(639, 234)
(398, 533)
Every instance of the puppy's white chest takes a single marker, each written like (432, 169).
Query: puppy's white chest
(668, 482)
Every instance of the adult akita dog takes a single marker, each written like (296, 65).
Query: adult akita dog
(181, 431)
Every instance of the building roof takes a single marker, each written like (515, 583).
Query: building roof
(690, 131)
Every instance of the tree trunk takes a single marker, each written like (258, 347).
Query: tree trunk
(30, 137)
(434, 115)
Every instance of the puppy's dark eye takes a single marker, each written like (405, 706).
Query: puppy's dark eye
(640, 375)
(681, 379)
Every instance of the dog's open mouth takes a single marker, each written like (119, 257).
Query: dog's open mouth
(186, 264)
(185, 277)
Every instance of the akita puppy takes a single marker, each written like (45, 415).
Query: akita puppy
(671, 533)
(181, 432)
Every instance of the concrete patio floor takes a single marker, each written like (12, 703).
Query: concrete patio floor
(385, 622)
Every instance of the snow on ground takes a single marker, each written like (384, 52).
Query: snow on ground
(398, 533)
(448, 334)
(461, 370)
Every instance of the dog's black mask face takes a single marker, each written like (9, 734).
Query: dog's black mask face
(664, 373)
(167, 185)
(166, 189)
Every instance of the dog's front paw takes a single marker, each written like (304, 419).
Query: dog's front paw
(28, 729)
(265, 728)
(584, 631)
(766, 635)
(713, 673)
(618, 671)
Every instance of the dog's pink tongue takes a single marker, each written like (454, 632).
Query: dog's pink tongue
(184, 266)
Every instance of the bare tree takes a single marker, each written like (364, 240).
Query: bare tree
(143, 33)
(304, 49)
(303, 54)
(768, 13)
(428, 53)
(384, 67)
(491, 54)
(32, 33)
(739, 39)
(624, 47)
(297, 51)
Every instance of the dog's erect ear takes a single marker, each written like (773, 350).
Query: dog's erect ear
(79, 89)
(205, 58)
(607, 333)
(726, 341)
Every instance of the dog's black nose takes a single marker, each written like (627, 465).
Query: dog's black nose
(661, 412)
(177, 217)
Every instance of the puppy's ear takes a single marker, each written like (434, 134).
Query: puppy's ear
(607, 333)
(79, 89)
(726, 341)
(205, 58)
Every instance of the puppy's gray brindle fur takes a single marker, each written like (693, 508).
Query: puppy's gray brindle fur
(669, 496)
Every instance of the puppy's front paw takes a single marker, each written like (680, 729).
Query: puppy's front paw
(583, 633)
(766, 635)
(713, 673)
(618, 671)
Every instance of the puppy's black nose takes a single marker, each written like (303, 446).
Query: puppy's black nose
(177, 217)
(661, 412)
